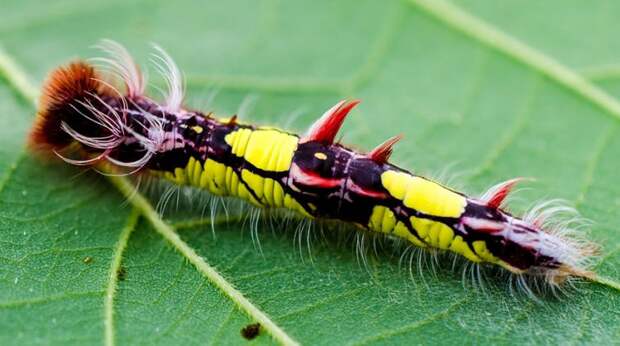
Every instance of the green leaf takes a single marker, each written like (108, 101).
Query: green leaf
(489, 90)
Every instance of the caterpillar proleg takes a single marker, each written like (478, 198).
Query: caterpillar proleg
(86, 120)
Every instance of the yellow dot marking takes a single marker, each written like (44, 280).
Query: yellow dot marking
(320, 156)
(197, 129)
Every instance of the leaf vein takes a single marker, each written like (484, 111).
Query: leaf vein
(594, 161)
(415, 325)
(49, 299)
(511, 134)
(117, 257)
(485, 33)
(322, 302)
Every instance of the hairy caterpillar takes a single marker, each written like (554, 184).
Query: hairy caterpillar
(84, 119)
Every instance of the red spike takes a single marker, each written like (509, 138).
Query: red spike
(496, 195)
(382, 153)
(325, 129)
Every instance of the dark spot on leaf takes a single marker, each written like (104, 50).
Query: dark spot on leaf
(121, 273)
(87, 260)
(250, 331)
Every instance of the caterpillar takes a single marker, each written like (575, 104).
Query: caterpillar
(88, 119)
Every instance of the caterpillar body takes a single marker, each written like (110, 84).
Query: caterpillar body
(86, 120)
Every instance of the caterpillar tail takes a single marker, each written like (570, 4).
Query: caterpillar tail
(86, 118)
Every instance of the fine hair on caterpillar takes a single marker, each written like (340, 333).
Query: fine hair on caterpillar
(99, 116)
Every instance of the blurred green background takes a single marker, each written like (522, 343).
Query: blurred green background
(467, 99)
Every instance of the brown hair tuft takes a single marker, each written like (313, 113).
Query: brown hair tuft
(75, 82)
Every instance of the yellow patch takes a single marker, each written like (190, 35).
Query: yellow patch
(238, 140)
(292, 204)
(376, 218)
(196, 173)
(265, 148)
(483, 252)
(460, 247)
(255, 181)
(397, 183)
(193, 171)
(382, 220)
(268, 191)
(180, 176)
(278, 195)
(213, 178)
(423, 195)
(402, 231)
(434, 233)
(197, 129)
(169, 176)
